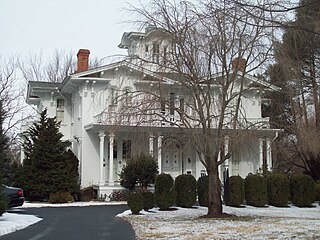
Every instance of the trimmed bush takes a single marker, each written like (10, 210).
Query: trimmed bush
(302, 189)
(60, 197)
(164, 191)
(202, 186)
(255, 188)
(186, 190)
(234, 195)
(278, 190)
(148, 200)
(318, 192)
(135, 202)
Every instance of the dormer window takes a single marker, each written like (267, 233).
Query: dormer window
(155, 53)
(60, 110)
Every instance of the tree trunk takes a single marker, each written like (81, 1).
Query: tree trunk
(214, 194)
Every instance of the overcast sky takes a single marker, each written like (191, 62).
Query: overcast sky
(30, 26)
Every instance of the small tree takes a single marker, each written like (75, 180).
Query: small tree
(47, 168)
(141, 169)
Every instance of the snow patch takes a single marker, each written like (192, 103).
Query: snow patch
(251, 223)
(11, 222)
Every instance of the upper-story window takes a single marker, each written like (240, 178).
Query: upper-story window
(165, 53)
(155, 53)
(172, 98)
(60, 110)
(127, 96)
(114, 96)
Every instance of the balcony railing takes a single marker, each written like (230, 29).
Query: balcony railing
(168, 120)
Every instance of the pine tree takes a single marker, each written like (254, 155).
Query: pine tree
(48, 168)
(3, 159)
(297, 71)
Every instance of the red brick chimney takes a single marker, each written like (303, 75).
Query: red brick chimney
(239, 64)
(83, 60)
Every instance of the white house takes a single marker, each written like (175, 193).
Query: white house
(93, 107)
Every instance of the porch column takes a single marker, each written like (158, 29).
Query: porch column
(111, 141)
(101, 173)
(269, 156)
(160, 153)
(151, 145)
(261, 154)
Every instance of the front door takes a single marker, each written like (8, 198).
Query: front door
(172, 162)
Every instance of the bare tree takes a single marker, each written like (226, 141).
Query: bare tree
(202, 41)
(53, 69)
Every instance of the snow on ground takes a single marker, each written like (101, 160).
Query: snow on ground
(10, 222)
(251, 223)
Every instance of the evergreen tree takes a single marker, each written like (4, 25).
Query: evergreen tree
(3, 159)
(48, 167)
(297, 71)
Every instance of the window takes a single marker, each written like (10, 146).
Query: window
(60, 110)
(127, 96)
(155, 53)
(163, 106)
(114, 96)
(165, 55)
(171, 103)
(181, 100)
(147, 49)
(126, 149)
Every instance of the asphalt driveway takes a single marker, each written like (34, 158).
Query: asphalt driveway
(79, 223)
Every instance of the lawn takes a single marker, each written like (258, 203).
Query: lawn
(249, 223)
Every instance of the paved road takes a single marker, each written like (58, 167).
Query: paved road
(79, 223)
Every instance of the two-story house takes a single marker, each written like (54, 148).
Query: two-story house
(110, 113)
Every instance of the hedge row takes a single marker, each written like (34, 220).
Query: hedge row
(275, 190)
(254, 190)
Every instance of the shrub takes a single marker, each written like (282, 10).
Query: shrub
(3, 203)
(148, 200)
(141, 169)
(302, 189)
(60, 197)
(120, 195)
(234, 195)
(135, 202)
(86, 194)
(318, 192)
(164, 191)
(255, 188)
(278, 190)
(186, 190)
(202, 186)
